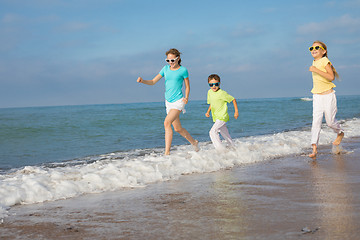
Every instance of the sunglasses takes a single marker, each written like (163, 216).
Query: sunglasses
(171, 60)
(212, 84)
(316, 48)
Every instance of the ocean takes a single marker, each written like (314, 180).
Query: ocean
(52, 153)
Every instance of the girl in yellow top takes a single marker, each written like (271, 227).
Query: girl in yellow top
(324, 99)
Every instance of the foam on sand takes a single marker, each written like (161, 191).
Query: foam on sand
(114, 171)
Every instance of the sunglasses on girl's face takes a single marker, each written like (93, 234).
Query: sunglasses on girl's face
(171, 60)
(212, 84)
(316, 48)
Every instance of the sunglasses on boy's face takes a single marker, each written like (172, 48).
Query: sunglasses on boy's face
(171, 60)
(316, 48)
(212, 84)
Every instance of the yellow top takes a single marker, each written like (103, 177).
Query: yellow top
(321, 84)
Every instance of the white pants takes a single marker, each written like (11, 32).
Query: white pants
(220, 127)
(324, 104)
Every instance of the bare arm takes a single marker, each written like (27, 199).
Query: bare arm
(207, 114)
(236, 114)
(329, 74)
(149, 82)
(187, 90)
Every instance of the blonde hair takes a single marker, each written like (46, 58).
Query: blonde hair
(326, 55)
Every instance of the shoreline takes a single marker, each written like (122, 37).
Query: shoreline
(285, 198)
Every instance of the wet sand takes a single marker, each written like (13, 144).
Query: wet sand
(286, 198)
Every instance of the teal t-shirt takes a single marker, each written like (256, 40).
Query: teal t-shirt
(218, 101)
(174, 80)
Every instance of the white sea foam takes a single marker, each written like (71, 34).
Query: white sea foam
(306, 99)
(34, 184)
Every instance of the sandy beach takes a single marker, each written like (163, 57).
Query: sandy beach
(286, 198)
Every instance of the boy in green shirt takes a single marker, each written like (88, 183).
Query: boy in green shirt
(218, 99)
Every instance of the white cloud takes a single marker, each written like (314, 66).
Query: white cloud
(10, 18)
(343, 24)
(242, 30)
(269, 10)
(242, 68)
(74, 26)
(351, 66)
(353, 3)
(347, 40)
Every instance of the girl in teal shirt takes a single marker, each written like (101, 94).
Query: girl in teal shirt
(175, 75)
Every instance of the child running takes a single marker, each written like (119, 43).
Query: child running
(218, 99)
(175, 75)
(324, 99)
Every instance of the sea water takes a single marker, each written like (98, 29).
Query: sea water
(51, 153)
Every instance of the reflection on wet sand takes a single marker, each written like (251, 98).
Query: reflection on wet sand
(335, 198)
(229, 207)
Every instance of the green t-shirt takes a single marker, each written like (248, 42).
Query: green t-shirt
(218, 101)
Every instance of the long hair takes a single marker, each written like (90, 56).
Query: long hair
(326, 55)
(175, 52)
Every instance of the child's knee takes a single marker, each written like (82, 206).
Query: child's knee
(330, 124)
(212, 132)
(177, 129)
(167, 124)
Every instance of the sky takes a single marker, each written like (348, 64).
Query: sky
(63, 52)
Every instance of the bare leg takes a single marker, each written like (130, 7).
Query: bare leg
(173, 119)
(339, 138)
(170, 118)
(168, 140)
(313, 154)
(183, 132)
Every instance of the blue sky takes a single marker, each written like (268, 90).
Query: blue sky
(57, 52)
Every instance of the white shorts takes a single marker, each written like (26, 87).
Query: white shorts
(179, 105)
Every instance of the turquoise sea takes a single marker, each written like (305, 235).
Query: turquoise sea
(50, 153)
(41, 135)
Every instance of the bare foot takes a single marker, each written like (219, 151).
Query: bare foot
(336, 149)
(195, 146)
(313, 154)
(339, 138)
(167, 153)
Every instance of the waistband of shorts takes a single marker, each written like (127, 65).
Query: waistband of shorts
(166, 101)
(326, 92)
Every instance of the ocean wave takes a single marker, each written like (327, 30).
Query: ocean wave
(306, 99)
(138, 168)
